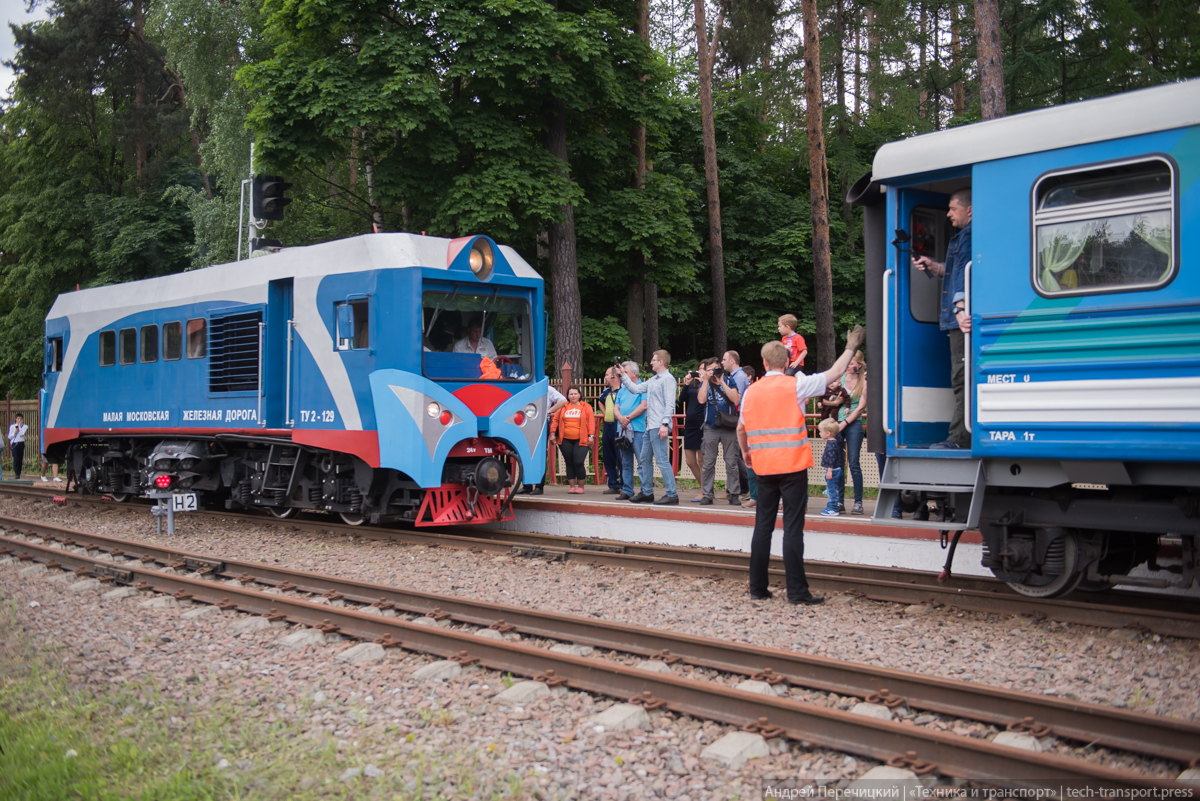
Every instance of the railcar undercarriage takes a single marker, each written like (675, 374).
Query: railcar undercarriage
(283, 478)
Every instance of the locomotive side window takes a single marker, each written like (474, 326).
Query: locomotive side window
(197, 339)
(352, 317)
(108, 348)
(471, 337)
(149, 344)
(172, 335)
(128, 345)
(233, 365)
(55, 355)
(1107, 229)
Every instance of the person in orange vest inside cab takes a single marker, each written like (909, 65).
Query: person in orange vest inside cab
(773, 436)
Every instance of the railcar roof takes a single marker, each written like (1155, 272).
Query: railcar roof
(367, 252)
(1159, 108)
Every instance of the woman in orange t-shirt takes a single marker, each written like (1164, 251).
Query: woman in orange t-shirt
(574, 427)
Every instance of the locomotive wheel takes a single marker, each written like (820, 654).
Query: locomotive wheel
(352, 518)
(282, 512)
(1061, 584)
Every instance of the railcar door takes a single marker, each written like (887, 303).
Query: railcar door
(923, 400)
(279, 360)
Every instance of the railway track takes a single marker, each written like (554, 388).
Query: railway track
(1164, 615)
(374, 612)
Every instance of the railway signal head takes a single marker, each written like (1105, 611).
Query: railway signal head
(267, 198)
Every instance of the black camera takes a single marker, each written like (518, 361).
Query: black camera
(718, 372)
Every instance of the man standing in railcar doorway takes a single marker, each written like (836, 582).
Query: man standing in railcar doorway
(953, 316)
(773, 436)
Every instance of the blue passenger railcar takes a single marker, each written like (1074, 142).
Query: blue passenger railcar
(380, 377)
(1082, 391)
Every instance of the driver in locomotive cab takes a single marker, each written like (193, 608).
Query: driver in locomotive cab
(475, 341)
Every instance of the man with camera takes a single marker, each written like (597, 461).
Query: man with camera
(720, 395)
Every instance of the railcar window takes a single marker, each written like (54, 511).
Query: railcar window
(468, 336)
(352, 318)
(1105, 230)
(55, 356)
(197, 339)
(108, 348)
(128, 345)
(172, 341)
(234, 364)
(149, 344)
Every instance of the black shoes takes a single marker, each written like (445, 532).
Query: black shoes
(524, 490)
(808, 600)
(667, 500)
(642, 497)
(735, 500)
(611, 491)
(537, 490)
(705, 501)
(765, 595)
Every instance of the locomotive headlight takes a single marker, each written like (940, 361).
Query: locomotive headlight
(433, 410)
(188, 464)
(530, 411)
(163, 464)
(482, 259)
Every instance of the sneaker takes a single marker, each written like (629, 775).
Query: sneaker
(842, 508)
(580, 490)
(749, 504)
(857, 510)
(57, 480)
(45, 480)
(830, 512)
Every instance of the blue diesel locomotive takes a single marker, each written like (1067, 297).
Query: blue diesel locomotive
(1082, 392)
(383, 377)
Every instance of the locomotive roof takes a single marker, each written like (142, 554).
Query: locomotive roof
(1159, 108)
(367, 252)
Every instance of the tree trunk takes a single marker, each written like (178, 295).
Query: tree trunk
(706, 53)
(564, 269)
(991, 62)
(139, 85)
(635, 311)
(858, 68)
(819, 182)
(922, 73)
(873, 68)
(648, 298)
(960, 102)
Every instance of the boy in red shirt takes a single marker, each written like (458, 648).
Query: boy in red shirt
(794, 343)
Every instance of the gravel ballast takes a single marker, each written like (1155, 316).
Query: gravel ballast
(378, 715)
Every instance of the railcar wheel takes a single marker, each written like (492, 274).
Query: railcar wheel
(352, 518)
(119, 497)
(282, 512)
(1062, 583)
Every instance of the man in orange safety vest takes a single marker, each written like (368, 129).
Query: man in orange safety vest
(773, 436)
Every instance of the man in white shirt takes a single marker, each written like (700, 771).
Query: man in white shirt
(16, 443)
(475, 341)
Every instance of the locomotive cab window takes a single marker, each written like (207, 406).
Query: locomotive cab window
(149, 344)
(128, 351)
(54, 354)
(172, 341)
(108, 348)
(352, 318)
(470, 337)
(1106, 229)
(197, 339)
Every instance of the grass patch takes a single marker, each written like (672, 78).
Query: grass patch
(59, 741)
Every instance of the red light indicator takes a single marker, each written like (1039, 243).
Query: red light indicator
(519, 418)
(162, 482)
(446, 418)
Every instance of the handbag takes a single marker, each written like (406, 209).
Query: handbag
(727, 420)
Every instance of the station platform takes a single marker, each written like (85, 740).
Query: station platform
(852, 539)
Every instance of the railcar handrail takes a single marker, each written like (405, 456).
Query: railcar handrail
(968, 373)
(887, 373)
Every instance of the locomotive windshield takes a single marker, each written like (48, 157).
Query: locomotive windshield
(468, 336)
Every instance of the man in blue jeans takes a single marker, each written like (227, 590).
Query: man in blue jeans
(660, 391)
(631, 412)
